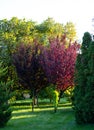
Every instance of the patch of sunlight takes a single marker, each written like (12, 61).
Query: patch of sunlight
(67, 107)
(21, 111)
(43, 109)
(22, 117)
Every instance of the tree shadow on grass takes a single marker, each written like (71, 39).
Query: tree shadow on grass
(45, 118)
(20, 111)
(41, 119)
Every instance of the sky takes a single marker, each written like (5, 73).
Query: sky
(80, 12)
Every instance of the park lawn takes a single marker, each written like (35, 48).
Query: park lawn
(43, 118)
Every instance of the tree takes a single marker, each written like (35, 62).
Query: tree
(82, 99)
(58, 62)
(70, 31)
(6, 57)
(51, 29)
(30, 73)
(89, 95)
(5, 95)
(12, 31)
(53, 94)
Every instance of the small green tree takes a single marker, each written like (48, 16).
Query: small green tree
(5, 111)
(53, 94)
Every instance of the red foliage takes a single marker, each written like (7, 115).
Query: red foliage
(30, 73)
(58, 62)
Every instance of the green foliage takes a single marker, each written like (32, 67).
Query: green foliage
(18, 95)
(16, 30)
(53, 95)
(5, 54)
(6, 51)
(70, 31)
(55, 99)
(51, 29)
(5, 111)
(68, 93)
(89, 96)
(86, 42)
(43, 94)
(84, 80)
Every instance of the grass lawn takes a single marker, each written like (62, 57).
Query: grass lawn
(43, 118)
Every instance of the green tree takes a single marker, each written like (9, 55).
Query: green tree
(48, 29)
(51, 29)
(16, 30)
(81, 83)
(89, 92)
(70, 31)
(53, 95)
(6, 58)
(5, 95)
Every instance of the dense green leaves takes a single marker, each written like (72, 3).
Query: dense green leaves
(69, 30)
(84, 82)
(51, 29)
(16, 30)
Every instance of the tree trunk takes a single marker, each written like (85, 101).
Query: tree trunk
(32, 105)
(55, 109)
(60, 95)
(34, 100)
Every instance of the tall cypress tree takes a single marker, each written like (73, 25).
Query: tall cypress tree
(81, 74)
(89, 93)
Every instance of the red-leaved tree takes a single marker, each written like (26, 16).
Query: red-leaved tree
(29, 70)
(58, 62)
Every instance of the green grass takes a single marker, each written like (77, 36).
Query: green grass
(44, 117)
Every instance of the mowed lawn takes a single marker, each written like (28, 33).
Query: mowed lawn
(43, 118)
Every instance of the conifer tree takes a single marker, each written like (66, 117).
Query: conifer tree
(5, 111)
(81, 75)
(89, 92)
